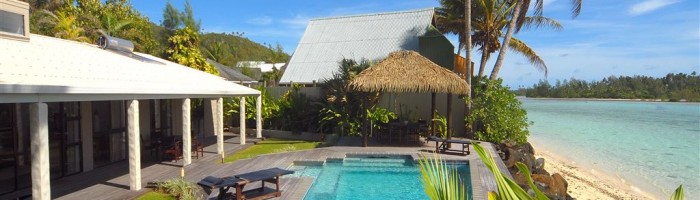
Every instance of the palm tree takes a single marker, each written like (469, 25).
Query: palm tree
(518, 18)
(65, 26)
(492, 16)
(215, 51)
(112, 25)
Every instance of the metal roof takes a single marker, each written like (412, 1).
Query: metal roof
(373, 36)
(46, 69)
(230, 74)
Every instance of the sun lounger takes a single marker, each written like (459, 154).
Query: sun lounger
(441, 145)
(271, 175)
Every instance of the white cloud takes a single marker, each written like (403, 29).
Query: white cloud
(298, 22)
(649, 5)
(264, 20)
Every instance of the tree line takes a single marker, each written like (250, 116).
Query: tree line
(86, 20)
(672, 87)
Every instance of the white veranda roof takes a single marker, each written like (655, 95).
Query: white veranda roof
(48, 69)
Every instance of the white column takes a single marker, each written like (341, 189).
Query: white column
(39, 138)
(242, 126)
(186, 133)
(258, 117)
(86, 135)
(220, 126)
(133, 130)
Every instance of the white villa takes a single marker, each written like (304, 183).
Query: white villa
(68, 107)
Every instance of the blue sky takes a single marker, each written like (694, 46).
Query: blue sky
(622, 37)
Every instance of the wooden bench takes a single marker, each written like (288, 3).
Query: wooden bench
(271, 175)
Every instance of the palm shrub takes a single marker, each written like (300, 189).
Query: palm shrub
(507, 188)
(440, 125)
(297, 112)
(342, 107)
(440, 181)
(178, 187)
(377, 115)
(497, 115)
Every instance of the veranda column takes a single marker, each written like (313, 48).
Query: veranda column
(242, 116)
(220, 126)
(39, 138)
(186, 133)
(258, 117)
(133, 129)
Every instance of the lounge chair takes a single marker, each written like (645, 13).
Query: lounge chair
(442, 143)
(271, 175)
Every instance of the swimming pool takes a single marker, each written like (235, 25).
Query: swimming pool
(369, 177)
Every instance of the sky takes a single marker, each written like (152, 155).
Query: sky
(609, 38)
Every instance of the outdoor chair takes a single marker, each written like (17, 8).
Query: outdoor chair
(175, 151)
(197, 148)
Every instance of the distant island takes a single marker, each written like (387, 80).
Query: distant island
(672, 87)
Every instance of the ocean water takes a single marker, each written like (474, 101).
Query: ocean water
(653, 145)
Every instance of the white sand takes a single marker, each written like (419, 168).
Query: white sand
(589, 183)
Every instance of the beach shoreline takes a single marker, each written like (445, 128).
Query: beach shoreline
(589, 183)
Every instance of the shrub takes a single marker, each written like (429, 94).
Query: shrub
(497, 113)
(178, 187)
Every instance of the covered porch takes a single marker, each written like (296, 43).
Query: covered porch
(68, 108)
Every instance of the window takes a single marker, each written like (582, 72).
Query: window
(14, 19)
(11, 22)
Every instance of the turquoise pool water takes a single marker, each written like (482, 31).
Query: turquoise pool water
(364, 177)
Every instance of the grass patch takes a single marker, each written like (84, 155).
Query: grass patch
(271, 145)
(152, 195)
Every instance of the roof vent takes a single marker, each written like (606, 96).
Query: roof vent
(113, 43)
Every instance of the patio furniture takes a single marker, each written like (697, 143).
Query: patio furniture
(441, 145)
(175, 151)
(271, 175)
(197, 148)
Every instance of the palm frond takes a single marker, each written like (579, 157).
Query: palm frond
(532, 57)
(542, 22)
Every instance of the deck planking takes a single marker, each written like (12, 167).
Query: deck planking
(112, 181)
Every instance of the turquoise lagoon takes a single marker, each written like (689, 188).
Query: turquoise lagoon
(653, 145)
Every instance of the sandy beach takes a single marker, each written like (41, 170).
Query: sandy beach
(589, 183)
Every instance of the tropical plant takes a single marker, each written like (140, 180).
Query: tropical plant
(343, 108)
(215, 51)
(297, 112)
(184, 50)
(179, 187)
(516, 22)
(440, 181)
(507, 188)
(678, 194)
(440, 125)
(377, 115)
(498, 115)
(65, 25)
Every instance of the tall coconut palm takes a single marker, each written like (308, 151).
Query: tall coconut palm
(489, 23)
(517, 21)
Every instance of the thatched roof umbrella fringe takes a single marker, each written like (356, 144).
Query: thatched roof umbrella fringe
(408, 71)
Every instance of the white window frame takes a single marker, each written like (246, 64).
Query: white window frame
(20, 8)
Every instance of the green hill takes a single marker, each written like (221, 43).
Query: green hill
(228, 49)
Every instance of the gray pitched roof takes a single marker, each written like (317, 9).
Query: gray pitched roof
(373, 36)
(228, 73)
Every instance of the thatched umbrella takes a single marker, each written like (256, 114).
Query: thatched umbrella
(408, 71)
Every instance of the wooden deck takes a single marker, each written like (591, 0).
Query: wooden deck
(111, 182)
